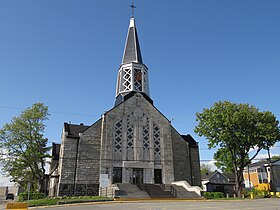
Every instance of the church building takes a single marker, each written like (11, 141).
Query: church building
(131, 143)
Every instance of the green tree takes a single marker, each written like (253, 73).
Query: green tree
(223, 160)
(25, 147)
(237, 129)
(205, 168)
(275, 157)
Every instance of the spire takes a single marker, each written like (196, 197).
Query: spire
(132, 52)
(132, 74)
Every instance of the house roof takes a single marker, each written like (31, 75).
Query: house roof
(263, 163)
(188, 138)
(223, 184)
(74, 130)
(120, 98)
(55, 151)
(207, 176)
(230, 176)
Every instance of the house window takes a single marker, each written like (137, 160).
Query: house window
(268, 169)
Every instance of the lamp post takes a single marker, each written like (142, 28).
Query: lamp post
(271, 171)
(249, 177)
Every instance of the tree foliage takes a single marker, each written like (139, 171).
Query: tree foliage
(275, 157)
(237, 129)
(25, 147)
(205, 168)
(223, 158)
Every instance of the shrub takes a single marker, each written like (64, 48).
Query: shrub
(32, 196)
(213, 195)
(260, 193)
(43, 202)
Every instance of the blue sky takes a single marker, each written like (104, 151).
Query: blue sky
(66, 54)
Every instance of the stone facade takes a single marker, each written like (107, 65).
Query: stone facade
(134, 114)
(132, 143)
(79, 162)
(181, 158)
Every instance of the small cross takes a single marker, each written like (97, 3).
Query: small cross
(133, 8)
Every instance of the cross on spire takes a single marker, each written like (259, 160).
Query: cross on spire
(132, 8)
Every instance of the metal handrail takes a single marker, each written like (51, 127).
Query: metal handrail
(173, 191)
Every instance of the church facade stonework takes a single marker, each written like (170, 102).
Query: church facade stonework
(131, 143)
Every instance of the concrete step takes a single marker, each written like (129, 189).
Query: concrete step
(130, 191)
(155, 191)
(181, 192)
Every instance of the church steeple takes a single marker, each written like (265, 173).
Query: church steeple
(132, 52)
(133, 74)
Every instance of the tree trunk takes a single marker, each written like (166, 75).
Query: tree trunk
(238, 183)
(41, 188)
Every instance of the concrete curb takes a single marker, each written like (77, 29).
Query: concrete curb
(130, 200)
(159, 199)
(137, 200)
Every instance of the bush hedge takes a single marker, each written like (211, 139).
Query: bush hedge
(67, 200)
(213, 195)
(32, 196)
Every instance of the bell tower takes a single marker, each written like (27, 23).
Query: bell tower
(132, 74)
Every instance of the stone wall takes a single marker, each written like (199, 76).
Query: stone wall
(88, 161)
(67, 165)
(79, 163)
(195, 165)
(3, 191)
(276, 176)
(136, 103)
(181, 158)
(84, 158)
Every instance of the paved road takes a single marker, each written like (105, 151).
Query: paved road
(2, 202)
(260, 204)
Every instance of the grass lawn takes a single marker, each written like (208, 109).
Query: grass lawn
(64, 200)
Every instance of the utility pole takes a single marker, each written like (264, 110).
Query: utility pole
(249, 177)
(272, 188)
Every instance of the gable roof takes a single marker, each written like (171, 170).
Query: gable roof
(208, 176)
(188, 138)
(230, 176)
(74, 130)
(55, 151)
(262, 163)
(120, 98)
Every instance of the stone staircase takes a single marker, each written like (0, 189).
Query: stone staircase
(172, 191)
(155, 191)
(126, 190)
(181, 192)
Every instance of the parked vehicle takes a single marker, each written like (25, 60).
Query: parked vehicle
(10, 196)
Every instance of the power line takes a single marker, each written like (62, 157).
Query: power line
(52, 112)
(79, 114)
(141, 160)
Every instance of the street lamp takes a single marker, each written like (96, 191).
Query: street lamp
(271, 171)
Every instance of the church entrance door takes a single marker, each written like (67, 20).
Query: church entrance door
(158, 177)
(137, 176)
(117, 175)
